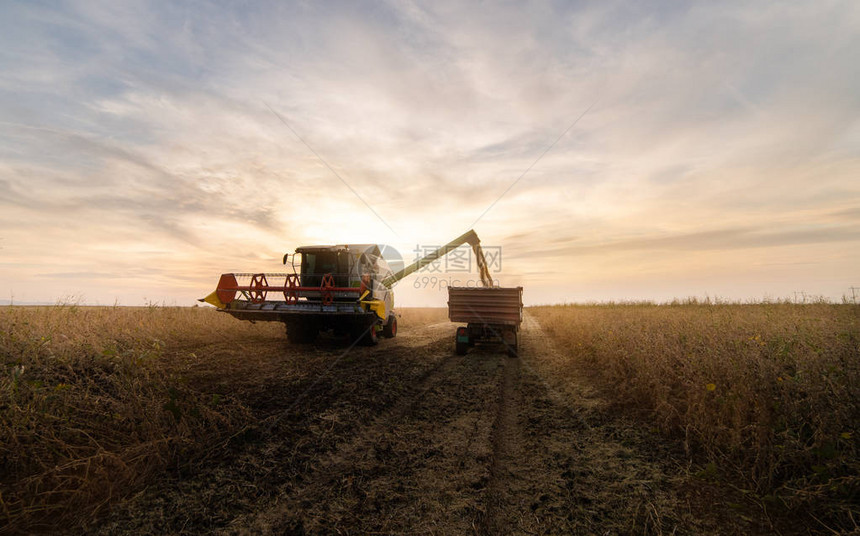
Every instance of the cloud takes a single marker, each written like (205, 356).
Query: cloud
(722, 240)
(136, 127)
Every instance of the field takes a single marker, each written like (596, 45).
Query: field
(766, 395)
(616, 419)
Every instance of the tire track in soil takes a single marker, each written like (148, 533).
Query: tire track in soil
(506, 450)
(420, 468)
(349, 450)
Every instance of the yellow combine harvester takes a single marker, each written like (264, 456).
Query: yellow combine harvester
(348, 288)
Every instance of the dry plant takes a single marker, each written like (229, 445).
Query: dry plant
(765, 395)
(93, 403)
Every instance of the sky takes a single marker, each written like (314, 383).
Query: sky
(608, 150)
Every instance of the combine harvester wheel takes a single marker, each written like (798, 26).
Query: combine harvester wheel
(390, 329)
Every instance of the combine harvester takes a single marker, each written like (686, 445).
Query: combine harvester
(348, 289)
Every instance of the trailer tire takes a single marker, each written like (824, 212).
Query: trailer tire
(390, 329)
(460, 348)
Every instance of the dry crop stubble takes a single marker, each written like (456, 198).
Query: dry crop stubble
(94, 402)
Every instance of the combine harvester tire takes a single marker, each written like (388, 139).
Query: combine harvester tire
(390, 329)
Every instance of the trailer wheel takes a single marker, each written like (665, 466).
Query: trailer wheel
(390, 329)
(462, 346)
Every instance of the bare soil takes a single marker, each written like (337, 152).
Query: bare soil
(407, 438)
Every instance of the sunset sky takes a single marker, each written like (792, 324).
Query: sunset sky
(707, 148)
